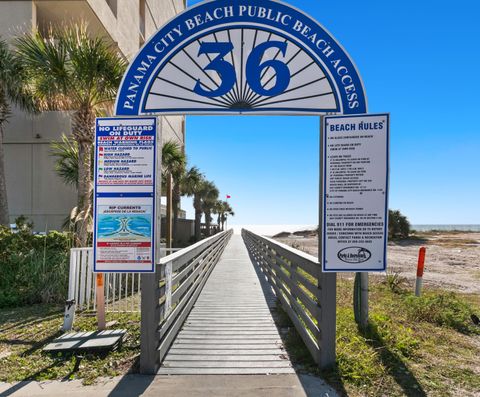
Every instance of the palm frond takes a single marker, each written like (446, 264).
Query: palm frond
(191, 181)
(13, 80)
(209, 195)
(65, 152)
(173, 158)
(68, 69)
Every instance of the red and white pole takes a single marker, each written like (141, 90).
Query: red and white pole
(100, 302)
(420, 269)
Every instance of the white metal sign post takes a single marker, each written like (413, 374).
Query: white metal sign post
(355, 199)
(125, 195)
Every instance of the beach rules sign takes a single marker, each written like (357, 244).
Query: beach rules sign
(125, 194)
(355, 200)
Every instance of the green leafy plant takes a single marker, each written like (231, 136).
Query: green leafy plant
(69, 69)
(445, 309)
(398, 225)
(34, 267)
(395, 282)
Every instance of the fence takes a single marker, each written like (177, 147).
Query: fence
(122, 290)
(307, 295)
(170, 293)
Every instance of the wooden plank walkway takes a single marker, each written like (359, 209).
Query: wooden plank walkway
(230, 330)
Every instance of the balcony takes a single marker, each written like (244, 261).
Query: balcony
(99, 15)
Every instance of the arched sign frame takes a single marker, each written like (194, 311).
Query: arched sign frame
(153, 72)
(170, 53)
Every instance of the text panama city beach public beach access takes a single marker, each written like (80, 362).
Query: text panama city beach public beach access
(193, 23)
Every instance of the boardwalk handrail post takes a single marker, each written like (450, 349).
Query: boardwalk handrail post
(327, 283)
(327, 323)
(149, 357)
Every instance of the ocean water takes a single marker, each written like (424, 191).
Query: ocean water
(465, 228)
(271, 230)
(111, 225)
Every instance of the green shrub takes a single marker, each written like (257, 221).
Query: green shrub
(395, 282)
(444, 309)
(384, 330)
(33, 268)
(398, 225)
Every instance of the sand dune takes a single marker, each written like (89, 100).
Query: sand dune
(452, 260)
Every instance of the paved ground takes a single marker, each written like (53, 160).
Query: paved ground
(178, 386)
(230, 330)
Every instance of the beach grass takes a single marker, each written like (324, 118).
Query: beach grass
(413, 346)
(26, 330)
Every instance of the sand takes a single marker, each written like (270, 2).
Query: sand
(452, 258)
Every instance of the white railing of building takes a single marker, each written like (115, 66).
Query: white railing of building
(122, 290)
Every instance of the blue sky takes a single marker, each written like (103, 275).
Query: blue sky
(420, 61)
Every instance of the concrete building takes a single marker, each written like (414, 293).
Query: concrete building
(34, 190)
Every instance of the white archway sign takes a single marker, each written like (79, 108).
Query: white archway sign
(247, 57)
(242, 57)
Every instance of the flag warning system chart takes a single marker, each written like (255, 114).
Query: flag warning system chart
(124, 207)
(355, 199)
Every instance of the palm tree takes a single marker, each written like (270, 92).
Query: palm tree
(13, 90)
(223, 209)
(65, 152)
(191, 186)
(209, 196)
(177, 175)
(69, 70)
(173, 166)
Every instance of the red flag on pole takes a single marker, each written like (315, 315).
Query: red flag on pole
(228, 196)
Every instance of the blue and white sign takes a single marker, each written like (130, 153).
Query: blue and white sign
(241, 57)
(355, 186)
(125, 194)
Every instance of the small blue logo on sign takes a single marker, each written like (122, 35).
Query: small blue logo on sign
(354, 255)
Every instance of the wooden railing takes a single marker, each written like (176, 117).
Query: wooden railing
(121, 290)
(306, 294)
(170, 293)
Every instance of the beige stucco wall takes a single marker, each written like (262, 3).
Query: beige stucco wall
(34, 189)
(15, 17)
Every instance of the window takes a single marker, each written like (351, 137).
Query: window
(142, 13)
(113, 6)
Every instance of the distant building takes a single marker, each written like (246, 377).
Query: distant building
(34, 190)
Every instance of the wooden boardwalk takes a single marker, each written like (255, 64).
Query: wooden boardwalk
(230, 330)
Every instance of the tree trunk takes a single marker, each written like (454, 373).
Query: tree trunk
(198, 225)
(4, 218)
(84, 190)
(207, 223)
(83, 124)
(198, 218)
(176, 208)
(4, 115)
(168, 222)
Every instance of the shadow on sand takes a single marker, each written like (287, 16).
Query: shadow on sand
(393, 363)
